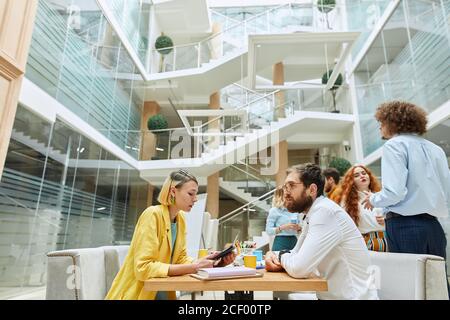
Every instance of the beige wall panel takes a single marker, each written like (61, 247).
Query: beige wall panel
(16, 28)
(17, 19)
(2, 13)
(9, 93)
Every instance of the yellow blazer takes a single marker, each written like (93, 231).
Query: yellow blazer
(149, 255)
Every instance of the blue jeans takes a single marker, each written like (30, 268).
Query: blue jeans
(419, 234)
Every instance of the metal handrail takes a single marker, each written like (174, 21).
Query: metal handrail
(242, 87)
(28, 209)
(16, 202)
(235, 212)
(144, 131)
(223, 16)
(223, 31)
(244, 22)
(248, 174)
(242, 107)
(247, 165)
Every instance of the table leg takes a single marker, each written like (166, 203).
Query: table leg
(239, 295)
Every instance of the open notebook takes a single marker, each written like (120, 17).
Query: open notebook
(226, 273)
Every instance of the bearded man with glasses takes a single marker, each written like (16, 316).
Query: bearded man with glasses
(330, 245)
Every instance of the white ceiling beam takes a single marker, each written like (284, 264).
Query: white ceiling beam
(296, 38)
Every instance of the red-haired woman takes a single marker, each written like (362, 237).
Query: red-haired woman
(370, 223)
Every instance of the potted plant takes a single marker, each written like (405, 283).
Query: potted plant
(164, 45)
(157, 122)
(341, 165)
(333, 89)
(326, 6)
(154, 123)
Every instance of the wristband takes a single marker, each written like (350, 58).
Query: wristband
(281, 253)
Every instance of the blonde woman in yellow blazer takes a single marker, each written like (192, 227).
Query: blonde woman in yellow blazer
(153, 253)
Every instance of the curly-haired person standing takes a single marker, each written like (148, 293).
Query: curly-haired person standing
(416, 182)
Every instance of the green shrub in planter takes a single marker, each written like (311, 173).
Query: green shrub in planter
(157, 122)
(341, 165)
(336, 84)
(163, 42)
(326, 6)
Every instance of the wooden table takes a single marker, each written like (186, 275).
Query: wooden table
(271, 281)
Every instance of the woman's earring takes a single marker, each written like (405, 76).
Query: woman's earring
(172, 199)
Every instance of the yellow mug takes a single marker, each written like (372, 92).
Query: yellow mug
(202, 253)
(250, 261)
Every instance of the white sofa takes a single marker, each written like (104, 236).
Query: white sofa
(403, 276)
(83, 274)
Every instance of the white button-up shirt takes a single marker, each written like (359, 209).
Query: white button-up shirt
(332, 247)
(415, 176)
(367, 218)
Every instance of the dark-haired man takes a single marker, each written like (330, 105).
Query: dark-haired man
(416, 182)
(331, 182)
(330, 245)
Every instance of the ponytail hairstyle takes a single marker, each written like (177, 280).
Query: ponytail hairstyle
(277, 200)
(176, 179)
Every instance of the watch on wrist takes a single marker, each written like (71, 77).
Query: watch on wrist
(281, 253)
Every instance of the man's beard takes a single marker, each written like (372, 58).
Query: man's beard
(298, 205)
(328, 188)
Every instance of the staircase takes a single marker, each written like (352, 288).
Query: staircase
(268, 131)
(248, 220)
(37, 145)
(232, 189)
(229, 44)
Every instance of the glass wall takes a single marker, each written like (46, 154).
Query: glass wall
(60, 190)
(362, 15)
(76, 58)
(409, 60)
(133, 18)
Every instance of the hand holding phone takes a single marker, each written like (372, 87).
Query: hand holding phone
(226, 251)
(223, 253)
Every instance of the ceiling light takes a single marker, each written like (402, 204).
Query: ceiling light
(102, 208)
(159, 149)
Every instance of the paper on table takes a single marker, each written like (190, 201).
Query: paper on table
(225, 272)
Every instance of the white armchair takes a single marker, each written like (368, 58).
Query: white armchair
(83, 274)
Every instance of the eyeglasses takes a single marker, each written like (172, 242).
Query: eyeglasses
(287, 187)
